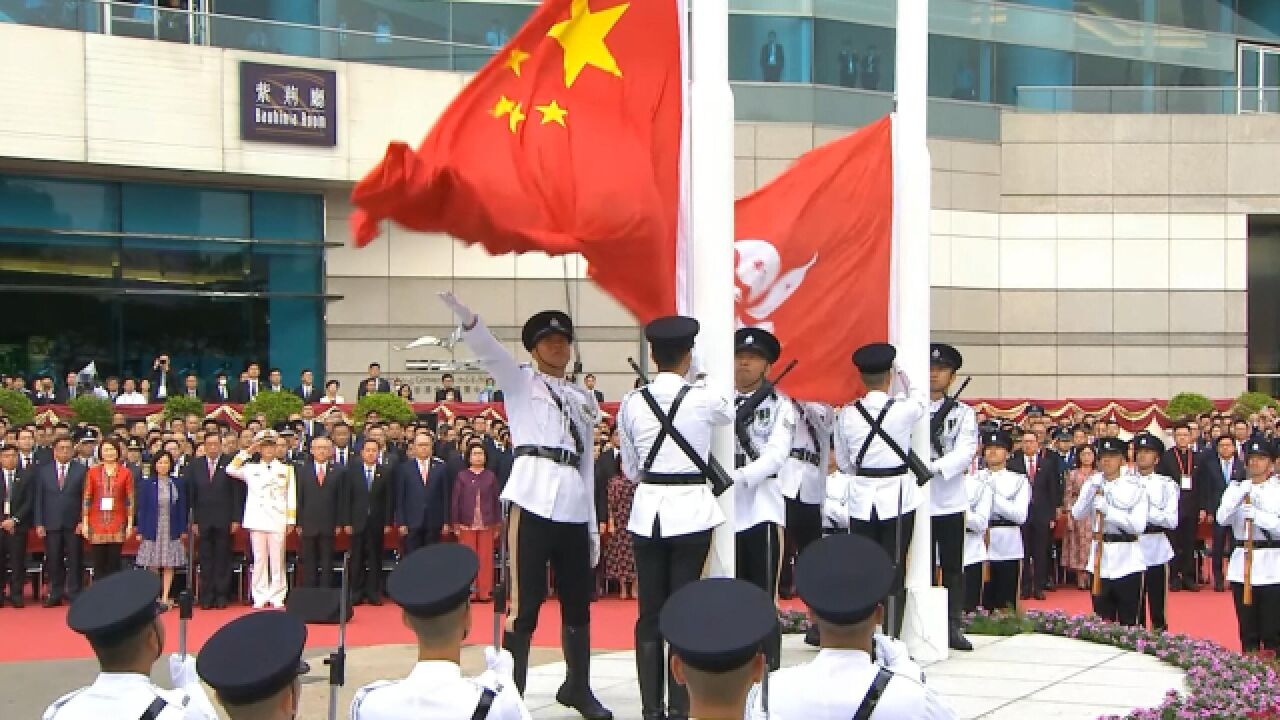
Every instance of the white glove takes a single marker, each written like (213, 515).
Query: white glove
(893, 655)
(1101, 505)
(460, 311)
(182, 670)
(500, 663)
(1249, 512)
(594, 548)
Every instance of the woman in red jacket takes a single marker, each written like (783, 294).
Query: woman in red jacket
(107, 515)
(477, 515)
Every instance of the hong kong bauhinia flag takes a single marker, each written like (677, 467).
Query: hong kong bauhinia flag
(814, 252)
(567, 141)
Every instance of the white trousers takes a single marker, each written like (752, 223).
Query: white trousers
(268, 568)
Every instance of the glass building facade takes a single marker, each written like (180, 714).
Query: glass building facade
(120, 272)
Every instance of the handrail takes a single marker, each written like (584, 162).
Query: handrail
(117, 235)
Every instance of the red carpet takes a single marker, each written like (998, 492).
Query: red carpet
(36, 633)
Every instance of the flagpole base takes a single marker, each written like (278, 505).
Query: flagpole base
(924, 629)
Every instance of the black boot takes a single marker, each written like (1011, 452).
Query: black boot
(518, 645)
(955, 615)
(957, 641)
(677, 697)
(812, 637)
(576, 690)
(773, 650)
(650, 674)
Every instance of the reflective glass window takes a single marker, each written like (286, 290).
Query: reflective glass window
(853, 56)
(770, 48)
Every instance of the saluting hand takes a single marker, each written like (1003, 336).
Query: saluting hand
(460, 311)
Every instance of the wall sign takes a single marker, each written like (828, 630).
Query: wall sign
(296, 106)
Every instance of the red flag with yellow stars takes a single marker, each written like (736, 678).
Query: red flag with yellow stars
(567, 141)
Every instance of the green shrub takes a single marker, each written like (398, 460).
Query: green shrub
(1186, 404)
(17, 407)
(389, 406)
(91, 410)
(181, 406)
(276, 406)
(1252, 402)
(1000, 622)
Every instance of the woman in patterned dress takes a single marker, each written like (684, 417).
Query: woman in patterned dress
(620, 562)
(1075, 544)
(162, 522)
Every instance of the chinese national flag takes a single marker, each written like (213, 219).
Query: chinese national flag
(814, 250)
(567, 141)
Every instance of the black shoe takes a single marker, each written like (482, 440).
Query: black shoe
(206, 605)
(375, 600)
(1218, 586)
(358, 601)
(1038, 595)
(576, 690)
(518, 645)
(957, 641)
(1190, 585)
(52, 602)
(785, 593)
(17, 603)
(1050, 586)
(1026, 596)
(1175, 584)
(220, 604)
(812, 637)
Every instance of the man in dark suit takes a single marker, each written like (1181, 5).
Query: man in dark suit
(15, 519)
(1044, 472)
(772, 58)
(68, 390)
(1216, 471)
(59, 487)
(848, 62)
(442, 394)
(380, 383)
(367, 515)
(421, 495)
(191, 386)
(343, 448)
(589, 381)
(319, 492)
(27, 455)
(220, 391)
(307, 388)
(218, 503)
(1180, 463)
(164, 382)
(251, 385)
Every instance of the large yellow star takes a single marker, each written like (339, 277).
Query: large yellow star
(514, 60)
(502, 107)
(582, 37)
(552, 113)
(515, 118)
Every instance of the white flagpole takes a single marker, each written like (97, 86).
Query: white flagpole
(709, 258)
(925, 624)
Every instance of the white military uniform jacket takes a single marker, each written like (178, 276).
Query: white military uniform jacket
(1266, 526)
(866, 493)
(977, 517)
(1162, 512)
(1010, 500)
(757, 496)
(436, 689)
(126, 696)
(539, 485)
(1126, 505)
(833, 684)
(270, 503)
(800, 479)
(959, 444)
(680, 509)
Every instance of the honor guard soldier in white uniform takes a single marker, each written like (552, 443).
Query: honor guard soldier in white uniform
(1122, 502)
(857, 674)
(803, 479)
(762, 445)
(872, 439)
(977, 519)
(270, 513)
(717, 628)
(674, 510)
(1010, 499)
(551, 489)
(253, 664)
(433, 587)
(118, 616)
(953, 442)
(1162, 518)
(1260, 622)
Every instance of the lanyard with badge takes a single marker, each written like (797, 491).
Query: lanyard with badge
(1185, 471)
(107, 502)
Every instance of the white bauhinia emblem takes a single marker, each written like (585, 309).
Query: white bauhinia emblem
(762, 286)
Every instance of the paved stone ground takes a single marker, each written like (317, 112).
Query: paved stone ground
(1025, 676)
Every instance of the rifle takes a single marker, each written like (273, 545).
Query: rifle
(1246, 595)
(949, 403)
(712, 469)
(1098, 539)
(186, 598)
(747, 410)
(500, 592)
(337, 660)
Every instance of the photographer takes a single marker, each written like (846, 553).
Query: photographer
(163, 380)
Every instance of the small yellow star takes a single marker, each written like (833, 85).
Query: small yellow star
(552, 113)
(516, 57)
(502, 107)
(515, 117)
(582, 37)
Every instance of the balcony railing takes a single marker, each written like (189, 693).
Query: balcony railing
(1148, 100)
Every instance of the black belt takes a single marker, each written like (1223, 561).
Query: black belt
(1119, 537)
(1261, 545)
(653, 478)
(812, 458)
(882, 472)
(1001, 522)
(1153, 530)
(558, 455)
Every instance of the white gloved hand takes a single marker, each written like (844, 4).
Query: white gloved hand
(182, 670)
(593, 540)
(460, 311)
(893, 655)
(1101, 505)
(499, 662)
(1249, 512)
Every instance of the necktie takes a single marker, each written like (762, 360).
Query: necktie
(62, 475)
(253, 388)
(320, 475)
(1031, 467)
(342, 457)
(1226, 470)
(422, 470)
(213, 468)
(368, 477)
